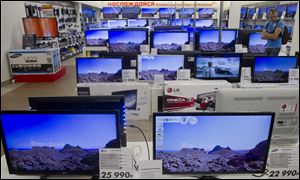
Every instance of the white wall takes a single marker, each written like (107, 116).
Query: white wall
(12, 13)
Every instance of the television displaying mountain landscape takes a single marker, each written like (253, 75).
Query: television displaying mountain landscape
(291, 10)
(158, 22)
(217, 67)
(205, 23)
(117, 23)
(131, 12)
(97, 37)
(97, 70)
(167, 12)
(208, 40)
(191, 144)
(111, 12)
(149, 12)
(127, 40)
(137, 22)
(273, 69)
(130, 98)
(169, 41)
(66, 143)
(181, 22)
(206, 12)
(257, 45)
(186, 12)
(167, 65)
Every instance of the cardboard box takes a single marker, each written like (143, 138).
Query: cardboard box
(192, 96)
(34, 61)
(137, 96)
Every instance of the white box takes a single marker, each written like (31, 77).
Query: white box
(192, 96)
(34, 61)
(155, 93)
(137, 96)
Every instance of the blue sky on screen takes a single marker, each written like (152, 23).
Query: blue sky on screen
(236, 132)
(255, 39)
(167, 10)
(262, 10)
(130, 9)
(171, 62)
(292, 8)
(149, 10)
(96, 34)
(204, 22)
(87, 131)
(117, 23)
(115, 10)
(206, 11)
(137, 22)
(186, 11)
(169, 38)
(207, 35)
(108, 65)
(225, 62)
(275, 63)
(228, 35)
(123, 36)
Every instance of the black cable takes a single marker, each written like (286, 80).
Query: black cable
(133, 126)
(265, 173)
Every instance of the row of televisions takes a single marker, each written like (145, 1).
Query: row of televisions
(290, 9)
(265, 69)
(206, 40)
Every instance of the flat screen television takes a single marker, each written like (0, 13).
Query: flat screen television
(261, 12)
(97, 37)
(111, 12)
(243, 12)
(130, 97)
(272, 69)
(206, 12)
(186, 12)
(167, 12)
(98, 70)
(117, 23)
(281, 9)
(57, 142)
(208, 40)
(41, 27)
(224, 67)
(83, 103)
(166, 65)
(291, 10)
(243, 36)
(127, 40)
(205, 23)
(181, 22)
(165, 41)
(257, 45)
(132, 23)
(149, 12)
(212, 143)
(251, 12)
(158, 22)
(131, 12)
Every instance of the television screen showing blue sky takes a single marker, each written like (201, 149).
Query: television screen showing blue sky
(206, 10)
(204, 23)
(137, 22)
(189, 11)
(255, 39)
(169, 38)
(104, 24)
(292, 8)
(96, 34)
(208, 35)
(117, 23)
(114, 10)
(167, 10)
(236, 132)
(134, 10)
(251, 11)
(262, 10)
(181, 22)
(89, 131)
(123, 36)
(281, 8)
(98, 65)
(275, 63)
(172, 62)
(243, 10)
(149, 10)
(225, 62)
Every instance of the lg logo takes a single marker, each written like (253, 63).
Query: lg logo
(170, 90)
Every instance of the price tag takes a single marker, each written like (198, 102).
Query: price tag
(128, 75)
(284, 163)
(246, 75)
(153, 51)
(158, 79)
(116, 163)
(191, 59)
(145, 49)
(133, 63)
(150, 169)
(184, 74)
(187, 47)
(293, 76)
(239, 48)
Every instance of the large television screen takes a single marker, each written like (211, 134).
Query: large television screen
(206, 12)
(166, 65)
(251, 12)
(57, 142)
(281, 9)
(137, 23)
(181, 22)
(166, 41)
(167, 12)
(243, 12)
(130, 98)
(97, 37)
(111, 12)
(205, 23)
(117, 23)
(268, 69)
(208, 40)
(97, 70)
(186, 12)
(149, 12)
(261, 12)
(158, 22)
(291, 10)
(128, 41)
(41, 27)
(257, 45)
(131, 12)
(218, 67)
(212, 143)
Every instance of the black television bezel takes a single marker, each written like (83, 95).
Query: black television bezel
(26, 172)
(129, 29)
(85, 37)
(253, 69)
(93, 58)
(156, 11)
(136, 15)
(117, 14)
(229, 79)
(227, 29)
(171, 31)
(272, 114)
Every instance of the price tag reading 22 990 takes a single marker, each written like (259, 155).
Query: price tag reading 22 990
(284, 174)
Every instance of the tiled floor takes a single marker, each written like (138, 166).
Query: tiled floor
(15, 97)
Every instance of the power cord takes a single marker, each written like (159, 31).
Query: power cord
(265, 173)
(133, 126)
